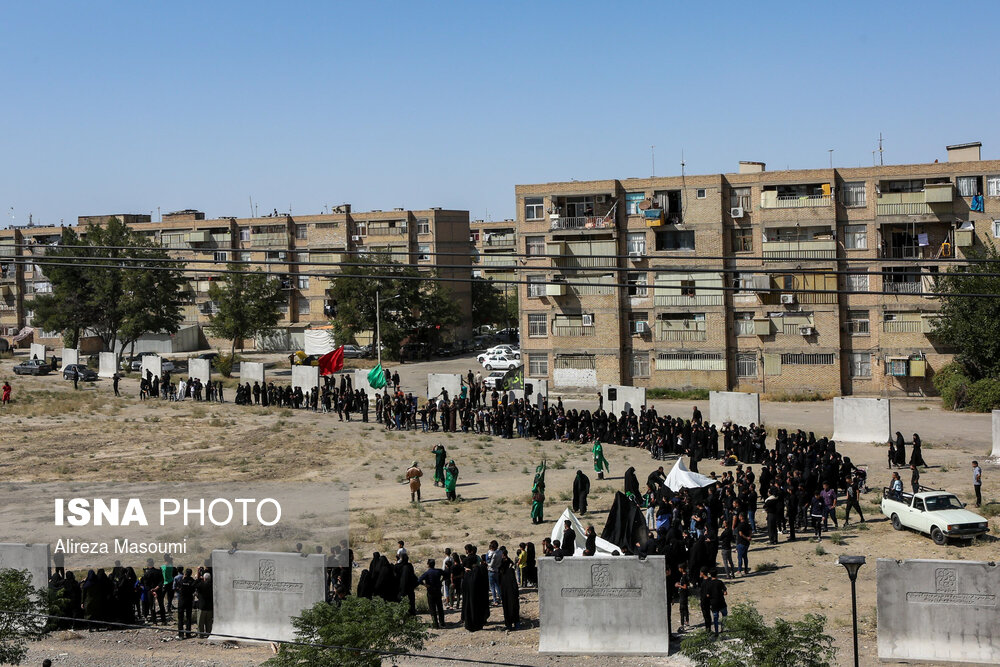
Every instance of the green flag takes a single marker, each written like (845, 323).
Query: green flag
(514, 379)
(376, 377)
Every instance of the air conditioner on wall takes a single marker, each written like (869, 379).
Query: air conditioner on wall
(787, 299)
(641, 327)
(635, 255)
(807, 331)
(736, 212)
(587, 320)
(601, 199)
(356, 239)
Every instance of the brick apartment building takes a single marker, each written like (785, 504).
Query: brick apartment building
(494, 253)
(291, 246)
(739, 281)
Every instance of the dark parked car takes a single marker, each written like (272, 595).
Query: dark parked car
(446, 350)
(86, 374)
(32, 367)
(353, 352)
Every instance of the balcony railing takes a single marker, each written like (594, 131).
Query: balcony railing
(667, 334)
(583, 222)
(582, 261)
(269, 240)
(902, 287)
(500, 242)
(386, 231)
(770, 199)
(573, 330)
(778, 250)
(910, 208)
(684, 300)
(858, 327)
(902, 326)
(498, 260)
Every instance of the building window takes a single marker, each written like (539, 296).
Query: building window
(362, 228)
(637, 243)
(637, 285)
(857, 282)
(860, 364)
(244, 257)
(538, 365)
(690, 361)
(807, 359)
(687, 287)
(303, 282)
(221, 256)
(301, 232)
(424, 226)
(537, 325)
(536, 286)
(423, 252)
(740, 198)
(638, 323)
(744, 324)
(640, 364)
(996, 229)
(969, 186)
(853, 194)
(746, 364)
(303, 305)
(856, 237)
(993, 186)
(858, 323)
(283, 307)
(534, 245)
(675, 240)
(632, 201)
(742, 239)
(533, 208)
(244, 233)
(701, 193)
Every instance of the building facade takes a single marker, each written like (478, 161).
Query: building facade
(788, 282)
(302, 250)
(494, 254)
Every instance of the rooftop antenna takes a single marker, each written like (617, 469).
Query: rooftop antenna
(251, 206)
(830, 151)
(682, 163)
(652, 158)
(881, 162)
(873, 159)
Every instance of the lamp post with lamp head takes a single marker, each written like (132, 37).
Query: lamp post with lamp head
(852, 564)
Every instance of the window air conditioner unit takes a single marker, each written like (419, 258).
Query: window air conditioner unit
(601, 199)
(635, 255)
(807, 331)
(736, 212)
(787, 299)
(587, 320)
(356, 239)
(641, 327)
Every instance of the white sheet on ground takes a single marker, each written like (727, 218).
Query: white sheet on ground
(682, 478)
(604, 548)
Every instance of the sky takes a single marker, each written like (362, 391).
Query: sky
(136, 107)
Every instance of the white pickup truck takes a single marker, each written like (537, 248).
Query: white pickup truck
(937, 513)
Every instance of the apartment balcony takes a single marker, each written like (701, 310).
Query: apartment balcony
(681, 331)
(497, 260)
(934, 201)
(269, 240)
(497, 241)
(902, 326)
(573, 330)
(581, 222)
(685, 300)
(790, 250)
(902, 287)
(771, 199)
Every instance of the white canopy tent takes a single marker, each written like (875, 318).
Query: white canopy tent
(604, 548)
(680, 477)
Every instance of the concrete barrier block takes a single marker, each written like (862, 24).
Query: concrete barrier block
(106, 363)
(626, 398)
(938, 610)
(153, 364)
(614, 605)
(735, 407)
(451, 382)
(38, 351)
(201, 369)
(861, 420)
(256, 593)
(35, 558)
(996, 435)
(69, 355)
(252, 371)
(306, 377)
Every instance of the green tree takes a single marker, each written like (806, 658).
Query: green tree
(493, 304)
(248, 304)
(750, 641)
(20, 623)
(971, 324)
(412, 304)
(354, 623)
(67, 308)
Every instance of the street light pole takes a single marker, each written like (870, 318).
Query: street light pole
(852, 564)
(378, 329)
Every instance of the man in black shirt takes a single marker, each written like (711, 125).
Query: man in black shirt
(717, 599)
(185, 605)
(569, 538)
(743, 536)
(432, 580)
(206, 609)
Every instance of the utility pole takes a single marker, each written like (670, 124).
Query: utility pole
(652, 157)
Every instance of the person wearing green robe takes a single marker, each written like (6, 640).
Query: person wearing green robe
(450, 479)
(538, 494)
(440, 456)
(600, 463)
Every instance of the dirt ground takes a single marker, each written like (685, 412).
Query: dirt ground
(53, 433)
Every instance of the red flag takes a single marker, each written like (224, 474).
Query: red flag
(331, 362)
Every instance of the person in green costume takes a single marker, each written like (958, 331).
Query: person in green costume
(450, 479)
(600, 463)
(440, 456)
(538, 494)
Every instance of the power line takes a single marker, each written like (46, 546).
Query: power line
(289, 642)
(549, 281)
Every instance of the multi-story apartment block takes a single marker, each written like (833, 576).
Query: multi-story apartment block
(777, 282)
(303, 250)
(494, 253)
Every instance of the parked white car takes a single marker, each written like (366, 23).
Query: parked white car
(936, 513)
(500, 361)
(499, 349)
(493, 379)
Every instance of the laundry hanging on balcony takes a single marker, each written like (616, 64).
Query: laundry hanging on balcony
(977, 204)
